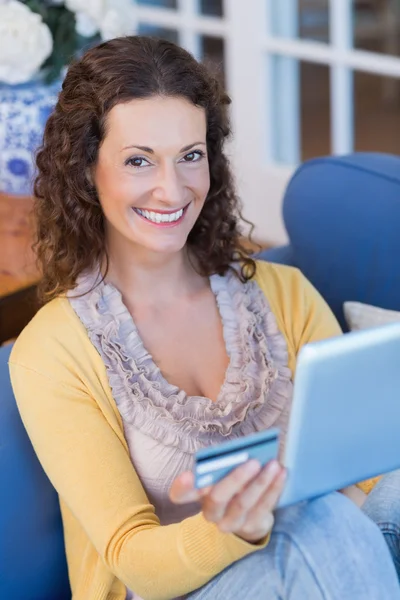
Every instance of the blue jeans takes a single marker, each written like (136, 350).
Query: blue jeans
(325, 549)
(383, 507)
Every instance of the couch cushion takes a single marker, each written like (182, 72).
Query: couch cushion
(365, 316)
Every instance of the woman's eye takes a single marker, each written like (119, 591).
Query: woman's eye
(137, 161)
(193, 156)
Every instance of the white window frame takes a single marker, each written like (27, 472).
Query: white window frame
(342, 58)
(186, 20)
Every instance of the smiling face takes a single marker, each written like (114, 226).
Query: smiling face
(152, 175)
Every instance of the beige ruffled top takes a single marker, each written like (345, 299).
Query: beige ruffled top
(164, 426)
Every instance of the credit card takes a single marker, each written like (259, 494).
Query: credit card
(215, 462)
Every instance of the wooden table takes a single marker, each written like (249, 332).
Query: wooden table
(17, 262)
(18, 272)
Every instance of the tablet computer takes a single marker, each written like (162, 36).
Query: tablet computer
(344, 425)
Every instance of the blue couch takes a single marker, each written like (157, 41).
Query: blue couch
(342, 215)
(343, 220)
(32, 557)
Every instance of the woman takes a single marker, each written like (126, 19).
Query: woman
(161, 336)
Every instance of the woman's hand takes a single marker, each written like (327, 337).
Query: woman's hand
(241, 503)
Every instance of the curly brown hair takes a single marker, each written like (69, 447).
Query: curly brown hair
(69, 220)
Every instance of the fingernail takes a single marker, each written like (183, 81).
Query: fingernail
(273, 468)
(253, 467)
(189, 497)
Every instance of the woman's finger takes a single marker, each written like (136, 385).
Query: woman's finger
(215, 503)
(260, 519)
(245, 501)
(269, 500)
(182, 490)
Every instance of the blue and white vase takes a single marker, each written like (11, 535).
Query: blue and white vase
(24, 110)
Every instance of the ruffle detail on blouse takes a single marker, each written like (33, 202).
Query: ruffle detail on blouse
(257, 390)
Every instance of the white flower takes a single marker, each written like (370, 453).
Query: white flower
(85, 26)
(112, 25)
(25, 42)
(93, 9)
(112, 18)
(117, 20)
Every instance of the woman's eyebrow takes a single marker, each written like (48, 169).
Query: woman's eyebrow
(151, 151)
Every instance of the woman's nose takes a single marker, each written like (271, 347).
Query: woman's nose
(168, 186)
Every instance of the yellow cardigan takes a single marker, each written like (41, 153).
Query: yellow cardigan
(113, 537)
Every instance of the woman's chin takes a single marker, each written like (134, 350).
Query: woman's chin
(162, 246)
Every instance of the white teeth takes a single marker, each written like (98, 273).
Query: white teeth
(160, 217)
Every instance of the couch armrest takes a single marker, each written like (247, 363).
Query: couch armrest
(281, 254)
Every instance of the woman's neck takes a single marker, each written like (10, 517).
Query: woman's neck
(153, 277)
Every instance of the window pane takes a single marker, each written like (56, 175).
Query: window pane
(305, 19)
(213, 8)
(315, 115)
(376, 26)
(377, 113)
(213, 55)
(159, 32)
(300, 118)
(158, 3)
